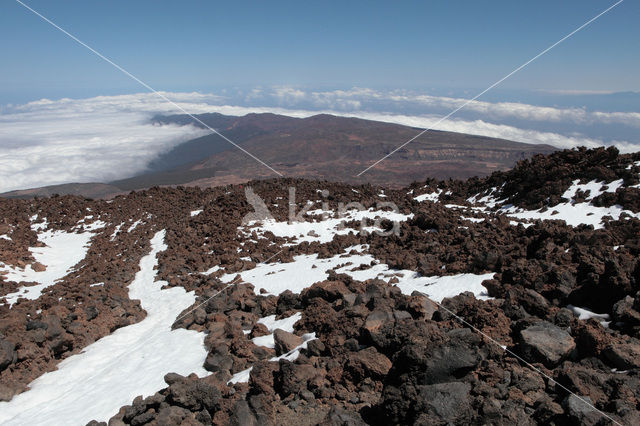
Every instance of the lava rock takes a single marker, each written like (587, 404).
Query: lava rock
(327, 290)
(546, 343)
(580, 410)
(8, 353)
(285, 341)
(194, 394)
(368, 363)
(624, 356)
(443, 403)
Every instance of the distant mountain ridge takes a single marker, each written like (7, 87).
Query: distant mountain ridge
(323, 146)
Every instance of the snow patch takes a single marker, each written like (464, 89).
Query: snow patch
(112, 371)
(115, 232)
(272, 324)
(36, 227)
(594, 187)
(275, 278)
(322, 231)
(473, 219)
(585, 314)
(430, 196)
(62, 250)
(211, 270)
(574, 214)
(243, 376)
(135, 225)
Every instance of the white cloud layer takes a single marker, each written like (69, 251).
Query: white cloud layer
(110, 137)
(497, 110)
(98, 139)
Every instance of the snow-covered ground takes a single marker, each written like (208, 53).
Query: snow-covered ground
(275, 278)
(585, 314)
(115, 232)
(134, 225)
(297, 275)
(429, 196)
(112, 371)
(272, 324)
(594, 187)
(61, 251)
(243, 376)
(436, 288)
(572, 212)
(322, 231)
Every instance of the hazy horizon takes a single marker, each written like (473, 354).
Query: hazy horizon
(67, 115)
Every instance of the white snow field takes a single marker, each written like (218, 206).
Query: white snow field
(111, 372)
(436, 288)
(295, 276)
(62, 250)
(301, 273)
(322, 231)
(572, 212)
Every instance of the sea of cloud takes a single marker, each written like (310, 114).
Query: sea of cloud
(104, 138)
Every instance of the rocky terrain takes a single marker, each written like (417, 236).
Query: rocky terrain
(513, 298)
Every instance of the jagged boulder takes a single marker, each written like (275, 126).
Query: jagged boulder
(285, 342)
(624, 356)
(8, 353)
(546, 343)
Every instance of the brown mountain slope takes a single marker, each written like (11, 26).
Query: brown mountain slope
(91, 190)
(332, 148)
(321, 147)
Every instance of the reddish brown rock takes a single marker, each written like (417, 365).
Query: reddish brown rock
(285, 342)
(368, 363)
(38, 267)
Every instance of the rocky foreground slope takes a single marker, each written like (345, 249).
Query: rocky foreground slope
(512, 298)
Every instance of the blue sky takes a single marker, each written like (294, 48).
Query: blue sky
(429, 45)
(68, 116)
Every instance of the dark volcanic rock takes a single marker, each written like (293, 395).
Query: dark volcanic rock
(580, 411)
(8, 354)
(546, 343)
(624, 356)
(443, 403)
